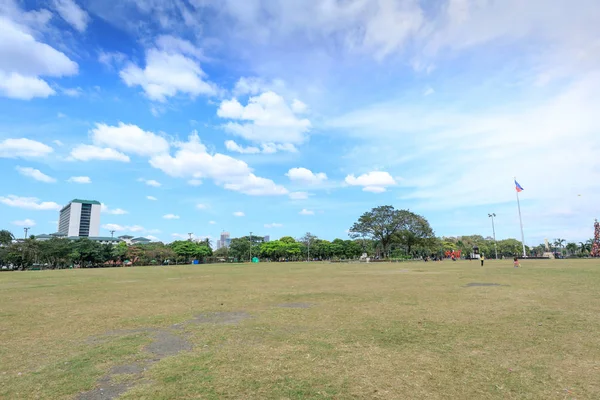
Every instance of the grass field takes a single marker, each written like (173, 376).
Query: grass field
(304, 331)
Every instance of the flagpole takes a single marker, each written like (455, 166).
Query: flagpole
(521, 222)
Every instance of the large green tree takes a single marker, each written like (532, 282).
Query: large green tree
(187, 250)
(6, 237)
(386, 225)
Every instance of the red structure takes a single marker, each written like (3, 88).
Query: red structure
(596, 244)
(453, 253)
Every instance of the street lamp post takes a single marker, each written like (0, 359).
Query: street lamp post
(492, 215)
(250, 246)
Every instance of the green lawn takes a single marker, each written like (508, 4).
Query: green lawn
(304, 331)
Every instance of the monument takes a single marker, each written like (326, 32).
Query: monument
(596, 243)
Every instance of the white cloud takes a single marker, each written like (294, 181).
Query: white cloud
(29, 20)
(60, 115)
(239, 214)
(171, 68)
(23, 60)
(429, 90)
(173, 44)
(267, 118)
(150, 182)
(306, 176)
(233, 146)
(72, 13)
(117, 211)
(374, 189)
(21, 87)
(255, 85)
(29, 203)
(153, 238)
(26, 148)
(80, 179)
(299, 107)
(180, 236)
(201, 206)
(35, 174)
(58, 142)
(298, 195)
(129, 138)
(86, 152)
(374, 182)
(306, 212)
(195, 182)
(273, 225)
(193, 161)
(270, 148)
(73, 92)
(171, 216)
(111, 59)
(266, 148)
(25, 223)
(123, 228)
(375, 27)
(212, 222)
(152, 198)
(255, 186)
(113, 227)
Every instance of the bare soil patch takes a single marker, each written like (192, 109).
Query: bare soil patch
(482, 284)
(220, 318)
(295, 305)
(166, 343)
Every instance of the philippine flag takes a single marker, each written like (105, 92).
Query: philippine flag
(518, 187)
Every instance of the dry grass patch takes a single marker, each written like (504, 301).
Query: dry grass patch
(296, 331)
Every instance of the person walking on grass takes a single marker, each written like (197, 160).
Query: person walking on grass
(516, 262)
(482, 258)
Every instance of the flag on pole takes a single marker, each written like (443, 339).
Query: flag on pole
(518, 187)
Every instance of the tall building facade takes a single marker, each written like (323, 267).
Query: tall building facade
(224, 241)
(80, 218)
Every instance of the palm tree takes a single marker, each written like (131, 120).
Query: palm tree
(583, 247)
(559, 243)
(571, 248)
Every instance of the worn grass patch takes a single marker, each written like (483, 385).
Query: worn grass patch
(304, 331)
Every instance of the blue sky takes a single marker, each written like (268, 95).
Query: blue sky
(282, 117)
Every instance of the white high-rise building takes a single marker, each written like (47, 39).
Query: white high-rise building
(224, 241)
(80, 218)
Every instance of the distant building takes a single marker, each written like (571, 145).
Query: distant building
(100, 239)
(43, 237)
(267, 239)
(126, 239)
(80, 218)
(224, 241)
(140, 240)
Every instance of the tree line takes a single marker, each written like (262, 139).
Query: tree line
(59, 253)
(381, 233)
